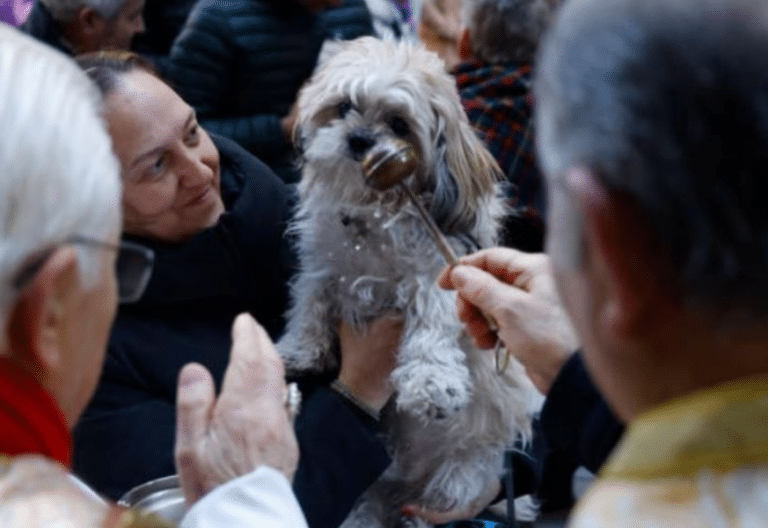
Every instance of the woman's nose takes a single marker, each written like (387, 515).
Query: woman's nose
(194, 170)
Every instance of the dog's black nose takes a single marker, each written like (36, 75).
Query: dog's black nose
(359, 142)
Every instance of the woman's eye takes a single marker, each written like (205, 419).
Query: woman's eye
(157, 169)
(399, 126)
(344, 108)
(194, 133)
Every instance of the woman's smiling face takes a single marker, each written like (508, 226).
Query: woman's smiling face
(170, 166)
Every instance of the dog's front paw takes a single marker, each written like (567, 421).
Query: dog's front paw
(412, 522)
(430, 391)
(305, 355)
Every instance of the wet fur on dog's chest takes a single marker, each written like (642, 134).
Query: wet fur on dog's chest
(375, 257)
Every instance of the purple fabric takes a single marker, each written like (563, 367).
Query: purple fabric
(15, 12)
(404, 6)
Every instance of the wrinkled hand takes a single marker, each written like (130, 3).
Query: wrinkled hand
(367, 359)
(490, 492)
(247, 426)
(517, 289)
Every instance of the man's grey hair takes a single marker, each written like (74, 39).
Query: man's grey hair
(65, 11)
(59, 177)
(666, 103)
(505, 30)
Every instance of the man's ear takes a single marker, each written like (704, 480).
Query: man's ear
(465, 46)
(620, 257)
(91, 22)
(38, 322)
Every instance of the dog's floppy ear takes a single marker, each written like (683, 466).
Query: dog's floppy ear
(446, 192)
(298, 139)
(329, 49)
(312, 93)
(466, 171)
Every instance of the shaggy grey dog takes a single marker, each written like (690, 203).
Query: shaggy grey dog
(364, 253)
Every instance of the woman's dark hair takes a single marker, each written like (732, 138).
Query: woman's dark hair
(106, 67)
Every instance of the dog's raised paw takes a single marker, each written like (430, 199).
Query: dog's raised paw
(430, 392)
(303, 356)
(411, 522)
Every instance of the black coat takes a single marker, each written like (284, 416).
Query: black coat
(241, 264)
(576, 419)
(41, 25)
(577, 428)
(240, 64)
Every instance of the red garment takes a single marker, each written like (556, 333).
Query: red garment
(30, 419)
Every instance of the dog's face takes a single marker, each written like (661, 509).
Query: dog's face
(371, 92)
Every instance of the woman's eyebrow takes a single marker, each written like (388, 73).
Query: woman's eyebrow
(155, 151)
(191, 119)
(149, 154)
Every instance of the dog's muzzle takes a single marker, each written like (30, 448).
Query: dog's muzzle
(360, 141)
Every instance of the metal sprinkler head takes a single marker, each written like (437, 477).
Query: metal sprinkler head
(389, 164)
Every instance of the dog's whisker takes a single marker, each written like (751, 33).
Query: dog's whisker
(392, 221)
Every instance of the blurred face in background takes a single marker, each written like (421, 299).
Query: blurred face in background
(92, 32)
(129, 22)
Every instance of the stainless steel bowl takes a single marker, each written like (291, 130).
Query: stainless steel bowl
(162, 497)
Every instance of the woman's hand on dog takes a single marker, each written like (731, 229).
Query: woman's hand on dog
(368, 358)
(516, 289)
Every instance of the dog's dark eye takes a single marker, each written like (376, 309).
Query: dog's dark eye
(344, 108)
(399, 126)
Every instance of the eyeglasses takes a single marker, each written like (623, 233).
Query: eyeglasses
(133, 266)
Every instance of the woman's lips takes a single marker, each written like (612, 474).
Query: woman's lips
(200, 197)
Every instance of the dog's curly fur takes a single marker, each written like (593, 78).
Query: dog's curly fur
(364, 253)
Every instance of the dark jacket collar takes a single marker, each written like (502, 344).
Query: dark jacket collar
(41, 25)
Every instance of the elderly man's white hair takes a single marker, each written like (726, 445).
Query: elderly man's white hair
(66, 10)
(58, 175)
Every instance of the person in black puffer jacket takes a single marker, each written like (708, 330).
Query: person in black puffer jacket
(215, 257)
(240, 64)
